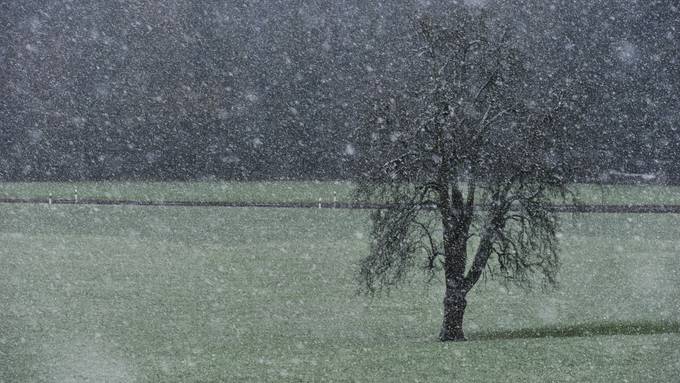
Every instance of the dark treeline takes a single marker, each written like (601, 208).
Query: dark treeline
(268, 89)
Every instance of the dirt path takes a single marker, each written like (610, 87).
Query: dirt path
(672, 209)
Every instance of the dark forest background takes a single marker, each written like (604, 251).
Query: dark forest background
(274, 89)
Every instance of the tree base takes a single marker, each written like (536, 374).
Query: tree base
(454, 309)
(452, 338)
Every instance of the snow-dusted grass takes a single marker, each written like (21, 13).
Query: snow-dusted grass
(233, 191)
(206, 295)
(629, 194)
(286, 191)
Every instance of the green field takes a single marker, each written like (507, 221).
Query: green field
(286, 191)
(258, 192)
(154, 294)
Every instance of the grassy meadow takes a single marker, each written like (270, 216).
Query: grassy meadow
(287, 191)
(178, 294)
(232, 191)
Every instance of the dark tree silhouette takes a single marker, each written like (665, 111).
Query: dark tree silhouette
(468, 165)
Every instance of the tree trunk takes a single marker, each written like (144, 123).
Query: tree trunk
(455, 254)
(454, 309)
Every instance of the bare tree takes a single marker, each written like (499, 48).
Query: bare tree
(468, 167)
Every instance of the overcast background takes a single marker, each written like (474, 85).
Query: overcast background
(184, 89)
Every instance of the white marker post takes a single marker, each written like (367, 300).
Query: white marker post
(49, 200)
(319, 203)
(335, 199)
(75, 195)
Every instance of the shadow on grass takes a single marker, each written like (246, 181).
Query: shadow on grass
(583, 329)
